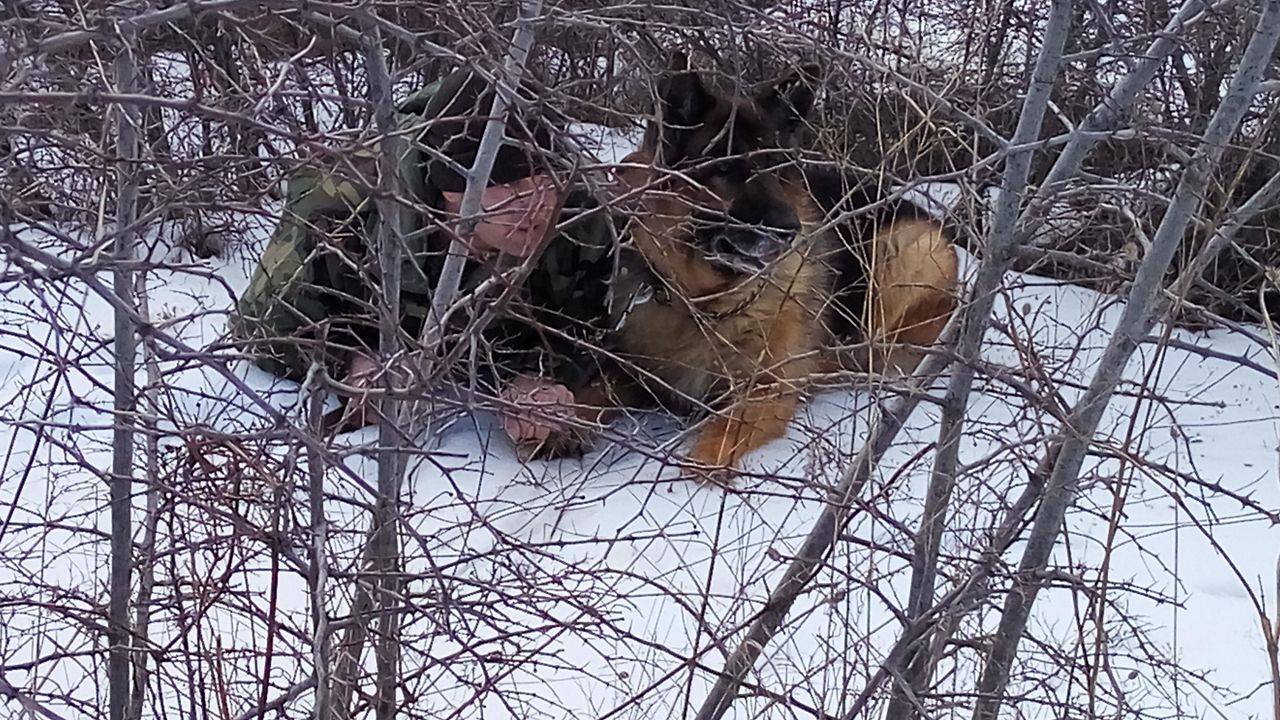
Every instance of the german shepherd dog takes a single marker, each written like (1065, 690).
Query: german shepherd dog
(759, 266)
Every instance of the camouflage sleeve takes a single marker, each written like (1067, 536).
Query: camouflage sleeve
(304, 299)
(311, 294)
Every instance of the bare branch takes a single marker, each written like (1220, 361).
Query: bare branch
(826, 530)
(478, 176)
(384, 546)
(382, 551)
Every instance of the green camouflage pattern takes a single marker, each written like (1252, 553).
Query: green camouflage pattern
(310, 299)
(306, 273)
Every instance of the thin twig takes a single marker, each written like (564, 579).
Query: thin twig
(146, 567)
(318, 577)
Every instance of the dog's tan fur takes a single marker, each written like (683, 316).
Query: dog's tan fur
(914, 279)
(745, 344)
(740, 346)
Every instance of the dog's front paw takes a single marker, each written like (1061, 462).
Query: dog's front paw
(716, 451)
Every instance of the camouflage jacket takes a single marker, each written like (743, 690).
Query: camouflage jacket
(312, 295)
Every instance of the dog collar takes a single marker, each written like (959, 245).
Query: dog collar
(634, 285)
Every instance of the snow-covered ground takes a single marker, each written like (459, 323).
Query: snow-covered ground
(581, 588)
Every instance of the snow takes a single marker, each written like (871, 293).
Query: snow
(605, 573)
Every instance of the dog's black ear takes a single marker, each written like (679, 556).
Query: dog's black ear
(787, 102)
(684, 102)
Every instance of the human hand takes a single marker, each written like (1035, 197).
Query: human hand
(538, 418)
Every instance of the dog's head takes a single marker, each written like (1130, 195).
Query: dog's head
(719, 199)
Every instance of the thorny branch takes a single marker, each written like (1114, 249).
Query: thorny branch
(973, 321)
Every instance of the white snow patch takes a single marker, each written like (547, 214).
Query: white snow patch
(608, 572)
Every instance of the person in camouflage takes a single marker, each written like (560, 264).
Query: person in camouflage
(312, 297)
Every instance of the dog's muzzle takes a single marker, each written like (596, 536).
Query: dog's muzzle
(749, 248)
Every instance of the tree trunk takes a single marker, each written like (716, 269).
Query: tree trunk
(122, 445)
